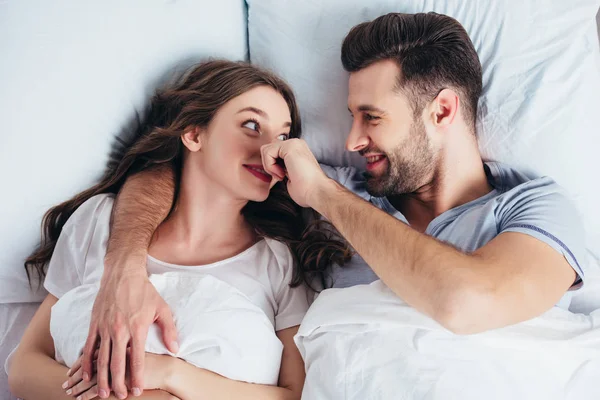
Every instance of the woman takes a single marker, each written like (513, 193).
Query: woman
(224, 258)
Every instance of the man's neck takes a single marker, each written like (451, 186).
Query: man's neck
(458, 179)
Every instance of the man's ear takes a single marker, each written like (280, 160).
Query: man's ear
(444, 108)
(192, 138)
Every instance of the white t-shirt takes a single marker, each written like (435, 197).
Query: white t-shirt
(247, 293)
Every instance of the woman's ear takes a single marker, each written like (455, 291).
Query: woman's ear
(192, 138)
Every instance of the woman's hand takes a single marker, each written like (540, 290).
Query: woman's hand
(75, 386)
(158, 368)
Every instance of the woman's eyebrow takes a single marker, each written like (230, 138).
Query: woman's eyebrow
(256, 111)
(262, 114)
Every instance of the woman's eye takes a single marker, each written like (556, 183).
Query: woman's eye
(251, 125)
(283, 136)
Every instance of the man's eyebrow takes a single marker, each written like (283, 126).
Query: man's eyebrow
(256, 111)
(368, 107)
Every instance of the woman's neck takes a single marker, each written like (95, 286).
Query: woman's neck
(205, 226)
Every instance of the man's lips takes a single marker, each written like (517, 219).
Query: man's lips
(374, 158)
(375, 161)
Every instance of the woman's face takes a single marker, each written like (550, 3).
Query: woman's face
(229, 152)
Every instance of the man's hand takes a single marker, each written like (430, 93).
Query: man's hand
(126, 305)
(299, 165)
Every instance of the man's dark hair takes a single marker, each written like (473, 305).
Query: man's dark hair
(432, 50)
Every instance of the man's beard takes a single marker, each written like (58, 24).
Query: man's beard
(408, 166)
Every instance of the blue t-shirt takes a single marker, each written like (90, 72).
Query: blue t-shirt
(537, 207)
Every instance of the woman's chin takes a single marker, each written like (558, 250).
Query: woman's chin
(259, 196)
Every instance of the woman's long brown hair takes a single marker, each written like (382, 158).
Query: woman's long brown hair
(193, 101)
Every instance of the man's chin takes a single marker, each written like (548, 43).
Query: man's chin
(375, 186)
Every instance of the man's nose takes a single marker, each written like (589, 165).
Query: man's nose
(357, 140)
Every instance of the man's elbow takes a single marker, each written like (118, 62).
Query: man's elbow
(466, 311)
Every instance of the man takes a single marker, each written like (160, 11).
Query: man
(475, 246)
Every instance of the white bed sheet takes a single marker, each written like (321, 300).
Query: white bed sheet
(14, 318)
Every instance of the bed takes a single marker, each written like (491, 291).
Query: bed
(73, 74)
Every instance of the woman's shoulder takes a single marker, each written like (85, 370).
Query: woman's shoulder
(279, 249)
(85, 233)
(95, 210)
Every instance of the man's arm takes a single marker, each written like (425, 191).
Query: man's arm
(127, 303)
(142, 204)
(513, 278)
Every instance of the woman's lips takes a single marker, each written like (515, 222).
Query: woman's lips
(258, 172)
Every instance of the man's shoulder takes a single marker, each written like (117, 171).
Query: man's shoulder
(517, 186)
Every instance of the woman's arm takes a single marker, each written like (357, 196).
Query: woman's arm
(189, 382)
(291, 373)
(34, 373)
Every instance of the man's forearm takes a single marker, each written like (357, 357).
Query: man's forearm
(418, 268)
(142, 204)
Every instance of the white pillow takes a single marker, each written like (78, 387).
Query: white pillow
(541, 79)
(71, 76)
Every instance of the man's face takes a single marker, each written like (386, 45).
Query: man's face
(400, 158)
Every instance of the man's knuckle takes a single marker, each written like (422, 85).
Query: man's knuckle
(116, 366)
(138, 329)
(102, 364)
(136, 362)
(104, 334)
(117, 330)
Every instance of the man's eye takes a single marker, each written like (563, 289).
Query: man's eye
(283, 136)
(370, 117)
(251, 125)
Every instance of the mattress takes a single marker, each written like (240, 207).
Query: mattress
(14, 318)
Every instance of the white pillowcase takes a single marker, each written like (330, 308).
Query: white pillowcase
(541, 79)
(71, 76)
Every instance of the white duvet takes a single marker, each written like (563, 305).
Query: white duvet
(218, 327)
(365, 343)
